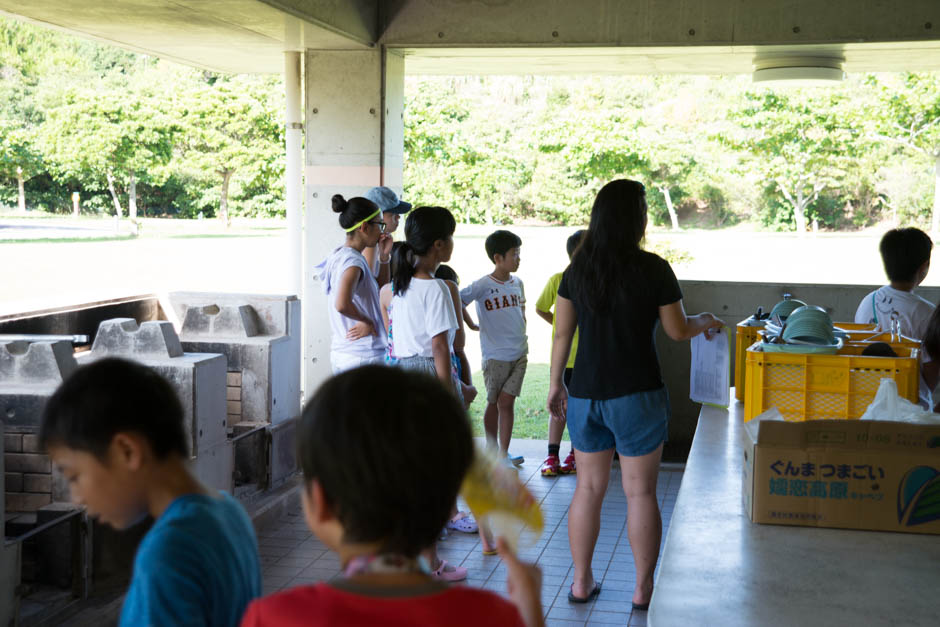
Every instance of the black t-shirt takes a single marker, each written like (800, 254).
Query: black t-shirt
(617, 347)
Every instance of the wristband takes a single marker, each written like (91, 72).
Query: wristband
(386, 261)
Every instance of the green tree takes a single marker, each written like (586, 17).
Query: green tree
(233, 132)
(910, 119)
(801, 145)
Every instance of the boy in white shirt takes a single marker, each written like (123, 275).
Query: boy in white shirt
(500, 301)
(906, 256)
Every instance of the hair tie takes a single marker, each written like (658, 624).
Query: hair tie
(363, 221)
(411, 257)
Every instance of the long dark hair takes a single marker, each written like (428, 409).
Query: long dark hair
(423, 227)
(353, 210)
(600, 267)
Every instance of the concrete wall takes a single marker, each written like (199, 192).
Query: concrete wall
(733, 302)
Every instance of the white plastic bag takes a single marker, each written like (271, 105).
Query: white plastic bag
(888, 405)
(752, 426)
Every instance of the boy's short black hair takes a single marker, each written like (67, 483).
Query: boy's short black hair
(390, 448)
(447, 273)
(572, 244)
(903, 252)
(111, 396)
(501, 242)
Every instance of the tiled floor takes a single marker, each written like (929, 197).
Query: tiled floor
(291, 556)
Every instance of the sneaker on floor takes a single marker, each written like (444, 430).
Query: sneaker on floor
(516, 460)
(551, 467)
(569, 467)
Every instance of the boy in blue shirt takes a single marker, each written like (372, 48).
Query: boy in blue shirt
(115, 429)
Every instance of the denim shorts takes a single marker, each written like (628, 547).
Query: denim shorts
(634, 424)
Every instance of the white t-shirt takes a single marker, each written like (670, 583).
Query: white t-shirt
(886, 304)
(501, 312)
(365, 297)
(423, 311)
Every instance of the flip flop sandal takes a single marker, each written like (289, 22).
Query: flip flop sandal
(590, 597)
(463, 522)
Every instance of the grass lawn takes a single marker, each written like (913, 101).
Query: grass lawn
(531, 415)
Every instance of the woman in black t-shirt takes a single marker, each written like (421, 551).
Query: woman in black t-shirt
(614, 293)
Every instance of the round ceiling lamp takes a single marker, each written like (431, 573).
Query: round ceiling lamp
(798, 71)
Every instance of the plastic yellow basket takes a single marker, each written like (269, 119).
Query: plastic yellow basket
(746, 335)
(825, 387)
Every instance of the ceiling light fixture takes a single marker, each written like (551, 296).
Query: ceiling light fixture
(797, 71)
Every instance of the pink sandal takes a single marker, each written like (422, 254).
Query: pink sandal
(442, 574)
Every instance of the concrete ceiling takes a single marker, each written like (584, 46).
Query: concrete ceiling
(511, 36)
(224, 35)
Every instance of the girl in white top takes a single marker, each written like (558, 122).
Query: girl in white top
(351, 288)
(421, 306)
(420, 311)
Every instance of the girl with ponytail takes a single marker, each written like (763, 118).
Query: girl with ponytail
(421, 309)
(352, 290)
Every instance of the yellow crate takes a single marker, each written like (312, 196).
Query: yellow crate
(746, 335)
(825, 387)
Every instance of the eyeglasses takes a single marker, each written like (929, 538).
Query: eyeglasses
(379, 223)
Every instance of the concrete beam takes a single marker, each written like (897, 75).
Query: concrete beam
(356, 20)
(554, 23)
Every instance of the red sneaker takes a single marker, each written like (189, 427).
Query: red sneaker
(551, 467)
(569, 467)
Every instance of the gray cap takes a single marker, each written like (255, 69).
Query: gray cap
(387, 200)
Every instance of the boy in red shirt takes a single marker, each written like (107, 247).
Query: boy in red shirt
(380, 481)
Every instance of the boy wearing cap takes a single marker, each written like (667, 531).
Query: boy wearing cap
(392, 210)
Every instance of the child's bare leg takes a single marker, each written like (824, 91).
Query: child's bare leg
(491, 423)
(488, 544)
(506, 417)
(556, 429)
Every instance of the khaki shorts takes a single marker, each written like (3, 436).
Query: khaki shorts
(503, 376)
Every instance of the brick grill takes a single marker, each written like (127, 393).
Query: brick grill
(27, 473)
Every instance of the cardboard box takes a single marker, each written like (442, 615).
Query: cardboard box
(844, 473)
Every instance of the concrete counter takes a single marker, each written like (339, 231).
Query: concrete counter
(718, 568)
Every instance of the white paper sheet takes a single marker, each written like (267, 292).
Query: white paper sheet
(710, 376)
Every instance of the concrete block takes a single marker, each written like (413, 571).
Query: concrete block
(233, 379)
(233, 408)
(31, 443)
(21, 406)
(233, 393)
(236, 321)
(13, 442)
(13, 481)
(198, 378)
(283, 451)
(215, 466)
(264, 360)
(35, 363)
(27, 462)
(272, 311)
(41, 483)
(124, 337)
(25, 502)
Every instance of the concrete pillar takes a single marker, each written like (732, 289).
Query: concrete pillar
(355, 140)
(293, 168)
